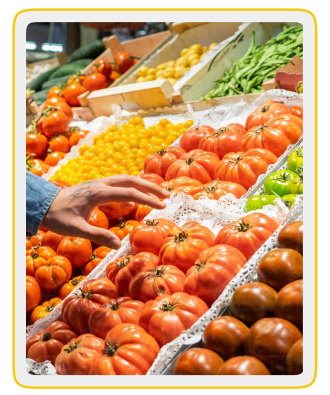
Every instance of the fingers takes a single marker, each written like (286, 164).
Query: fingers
(107, 195)
(137, 183)
(100, 236)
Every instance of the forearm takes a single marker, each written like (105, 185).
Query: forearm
(39, 196)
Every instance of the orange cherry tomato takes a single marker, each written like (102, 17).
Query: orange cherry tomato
(53, 101)
(103, 66)
(36, 144)
(297, 111)
(54, 91)
(71, 93)
(60, 144)
(76, 136)
(64, 107)
(53, 158)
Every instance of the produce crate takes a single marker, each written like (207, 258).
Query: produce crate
(201, 78)
(198, 33)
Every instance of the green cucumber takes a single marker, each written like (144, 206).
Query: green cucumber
(67, 69)
(41, 96)
(36, 84)
(55, 82)
(92, 50)
(83, 62)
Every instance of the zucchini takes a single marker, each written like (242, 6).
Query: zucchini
(36, 84)
(66, 70)
(92, 50)
(84, 62)
(55, 82)
(40, 96)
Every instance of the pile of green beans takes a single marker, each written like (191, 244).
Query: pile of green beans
(259, 64)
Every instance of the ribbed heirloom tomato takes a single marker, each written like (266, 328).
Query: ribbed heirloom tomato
(36, 257)
(47, 343)
(191, 138)
(183, 184)
(201, 167)
(126, 350)
(162, 280)
(182, 246)
(225, 140)
(149, 235)
(95, 81)
(159, 162)
(98, 218)
(244, 168)
(116, 210)
(117, 311)
(98, 255)
(215, 189)
(76, 249)
(59, 143)
(44, 309)
(36, 239)
(36, 143)
(76, 309)
(275, 136)
(141, 212)
(33, 293)
(123, 228)
(54, 272)
(166, 317)
(212, 271)
(225, 336)
(51, 239)
(122, 270)
(248, 233)
(265, 112)
(68, 287)
(152, 177)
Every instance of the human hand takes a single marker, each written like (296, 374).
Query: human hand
(70, 210)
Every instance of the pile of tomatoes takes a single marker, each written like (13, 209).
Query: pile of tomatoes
(146, 295)
(263, 334)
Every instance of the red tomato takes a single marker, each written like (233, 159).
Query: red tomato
(117, 311)
(76, 136)
(76, 249)
(191, 138)
(225, 336)
(116, 210)
(294, 358)
(248, 233)
(243, 366)
(122, 270)
(36, 144)
(37, 167)
(182, 246)
(297, 111)
(162, 280)
(270, 340)
(47, 343)
(56, 123)
(141, 212)
(224, 140)
(198, 361)
(202, 167)
(54, 101)
(155, 178)
(166, 317)
(98, 255)
(264, 113)
(149, 235)
(36, 257)
(36, 239)
(292, 236)
(33, 293)
(216, 189)
(64, 107)
(53, 158)
(70, 286)
(159, 162)
(53, 92)
(276, 136)
(71, 93)
(59, 143)
(103, 66)
(212, 271)
(244, 168)
(76, 309)
(98, 218)
(95, 81)
(51, 239)
(124, 62)
(123, 228)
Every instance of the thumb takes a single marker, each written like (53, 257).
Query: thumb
(101, 236)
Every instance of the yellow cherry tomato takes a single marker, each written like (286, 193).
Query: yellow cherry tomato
(142, 71)
(213, 45)
(183, 51)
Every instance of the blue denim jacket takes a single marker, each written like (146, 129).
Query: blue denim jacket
(39, 196)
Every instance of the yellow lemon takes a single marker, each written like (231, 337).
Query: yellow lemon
(194, 61)
(151, 71)
(161, 66)
(171, 63)
(141, 79)
(197, 48)
(159, 73)
(180, 72)
(184, 51)
(169, 72)
(150, 77)
(183, 61)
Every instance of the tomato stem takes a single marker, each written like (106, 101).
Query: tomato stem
(181, 237)
(71, 347)
(109, 349)
(46, 336)
(152, 223)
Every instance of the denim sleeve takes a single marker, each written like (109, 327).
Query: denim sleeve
(39, 196)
